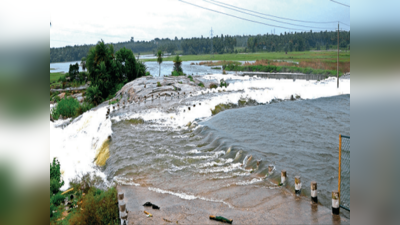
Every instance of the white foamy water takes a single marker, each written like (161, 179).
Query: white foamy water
(75, 146)
(188, 196)
(125, 181)
(258, 89)
(254, 180)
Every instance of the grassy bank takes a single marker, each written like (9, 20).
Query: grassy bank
(55, 76)
(272, 68)
(292, 56)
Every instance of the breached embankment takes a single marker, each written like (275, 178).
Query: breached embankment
(76, 144)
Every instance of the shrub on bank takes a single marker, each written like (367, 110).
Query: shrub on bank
(55, 177)
(175, 73)
(66, 107)
(95, 207)
(213, 86)
(100, 207)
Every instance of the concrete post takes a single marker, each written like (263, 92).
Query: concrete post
(335, 202)
(120, 196)
(122, 207)
(283, 177)
(297, 185)
(314, 197)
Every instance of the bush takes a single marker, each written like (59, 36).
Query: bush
(84, 107)
(66, 107)
(213, 86)
(175, 73)
(55, 177)
(223, 83)
(190, 78)
(85, 182)
(57, 98)
(100, 207)
(201, 84)
(159, 84)
(62, 79)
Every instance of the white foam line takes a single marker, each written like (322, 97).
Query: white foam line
(188, 196)
(222, 169)
(125, 181)
(213, 163)
(254, 180)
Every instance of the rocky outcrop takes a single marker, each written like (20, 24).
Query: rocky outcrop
(147, 87)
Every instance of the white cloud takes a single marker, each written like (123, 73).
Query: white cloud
(86, 22)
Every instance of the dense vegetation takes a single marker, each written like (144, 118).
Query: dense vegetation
(86, 204)
(108, 72)
(221, 44)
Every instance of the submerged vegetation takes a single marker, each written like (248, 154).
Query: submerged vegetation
(241, 103)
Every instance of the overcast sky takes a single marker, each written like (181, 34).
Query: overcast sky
(78, 22)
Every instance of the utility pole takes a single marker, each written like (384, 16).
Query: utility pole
(212, 51)
(337, 55)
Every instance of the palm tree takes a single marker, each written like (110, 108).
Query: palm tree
(159, 60)
(177, 64)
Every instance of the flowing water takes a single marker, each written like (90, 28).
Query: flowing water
(217, 152)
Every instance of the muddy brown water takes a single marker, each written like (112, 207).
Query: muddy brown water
(210, 162)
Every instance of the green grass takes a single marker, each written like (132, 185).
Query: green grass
(293, 56)
(271, 68)
(55, 76)
(52, 69)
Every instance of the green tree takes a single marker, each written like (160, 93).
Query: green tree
(73, 71)
(108, 70)
(177, 64)
(291, 46)
(83, 63)
(93, 94)
(159, 61)
(285, 49)
(56, 181)
(126, 65)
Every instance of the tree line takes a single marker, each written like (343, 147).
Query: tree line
(290, 41)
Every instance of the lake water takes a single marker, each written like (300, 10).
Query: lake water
(152, 67)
